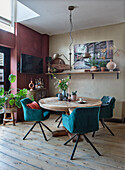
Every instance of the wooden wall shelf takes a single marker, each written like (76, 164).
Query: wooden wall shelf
(92, 73)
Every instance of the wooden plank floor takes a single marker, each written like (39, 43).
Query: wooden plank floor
(35, 153)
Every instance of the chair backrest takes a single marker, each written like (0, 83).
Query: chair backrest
(107, 99)
(24, 102)
(84, 120)
(30, 114)
(107, 112)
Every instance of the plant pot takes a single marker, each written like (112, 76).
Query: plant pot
(93, 68)
(1, 117)
(7, 104)
(73, 97)
(102, 68)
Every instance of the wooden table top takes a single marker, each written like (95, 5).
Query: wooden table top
(52, 103)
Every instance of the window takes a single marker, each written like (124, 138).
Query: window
(1, 69)
(4, 68)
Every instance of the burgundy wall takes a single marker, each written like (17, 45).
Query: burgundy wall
(7, 39)
(30, 42)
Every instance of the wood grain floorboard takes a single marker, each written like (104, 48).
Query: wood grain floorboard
(35, 153)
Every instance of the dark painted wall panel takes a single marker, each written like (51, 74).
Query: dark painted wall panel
(7, 39)
(30, 42)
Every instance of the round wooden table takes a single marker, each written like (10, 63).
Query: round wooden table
(52, 103)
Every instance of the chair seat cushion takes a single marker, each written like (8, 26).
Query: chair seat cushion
(33, 105)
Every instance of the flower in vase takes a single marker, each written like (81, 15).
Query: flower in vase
(62, 84)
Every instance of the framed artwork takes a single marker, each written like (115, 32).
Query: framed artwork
(101, 51)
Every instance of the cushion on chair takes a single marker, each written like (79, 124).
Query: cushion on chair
(33, 105)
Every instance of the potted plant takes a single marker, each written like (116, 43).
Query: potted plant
(74, 95)
(93, 64)
(102, 65)
(8, 99)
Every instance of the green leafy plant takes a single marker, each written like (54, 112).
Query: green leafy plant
(102, 64)
(74, 92)
(93, 62)
(62, 84)
(10, 97)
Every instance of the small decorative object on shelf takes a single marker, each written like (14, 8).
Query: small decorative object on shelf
(102, 65)
(31, 85)
(39, 83)
(74, 95)
(42, 84)
(111, 65)
(93, 64)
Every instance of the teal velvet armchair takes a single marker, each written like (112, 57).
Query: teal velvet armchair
(106, 111)
(37, 115)
(81, 121)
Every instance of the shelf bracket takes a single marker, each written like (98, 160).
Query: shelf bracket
(69, 76)
(117, 75)
(51, 76)
(92, 75)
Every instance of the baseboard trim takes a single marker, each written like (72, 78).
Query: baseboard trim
(115, 120)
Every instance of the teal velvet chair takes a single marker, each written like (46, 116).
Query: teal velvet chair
(37, 115)
(81, 121)
(106, 111)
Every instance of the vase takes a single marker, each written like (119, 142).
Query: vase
(60, 96)
(64, 95)
(111, 65)
(93, 68)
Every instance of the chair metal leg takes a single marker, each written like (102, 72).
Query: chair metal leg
(46, 126)
(30, 130)
(102, 122)
(75, 147)
(93, 134)
(69, 139)
(108, 129)
(43, 131)
(91, 145)
(59, 123)
(58, 118)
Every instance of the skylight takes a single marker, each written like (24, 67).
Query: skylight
(24, 13)
(13, 11)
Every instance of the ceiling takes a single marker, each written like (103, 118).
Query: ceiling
(54, 14)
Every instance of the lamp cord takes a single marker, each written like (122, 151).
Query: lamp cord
(71, 39)
(71, 27)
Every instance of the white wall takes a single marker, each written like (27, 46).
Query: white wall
(102, 84)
